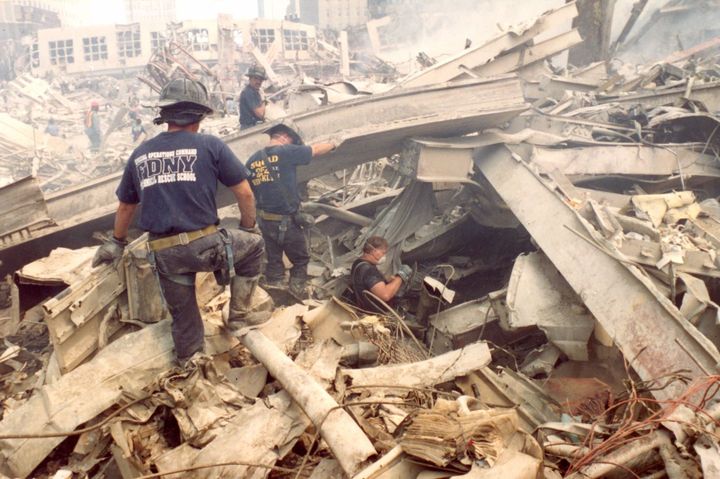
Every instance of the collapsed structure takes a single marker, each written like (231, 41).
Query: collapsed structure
(562, 319)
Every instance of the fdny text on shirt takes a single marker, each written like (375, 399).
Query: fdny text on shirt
(162, 167)
(260, 172)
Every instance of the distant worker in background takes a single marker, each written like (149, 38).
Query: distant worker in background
(92, 126)
(252, 104)
(137, 130)
(273, 178)
(175, 176)
(231, 106)
(133, 102)
(52, 128)
(365, 275)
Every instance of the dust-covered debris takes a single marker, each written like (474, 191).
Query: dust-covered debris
(553, 218)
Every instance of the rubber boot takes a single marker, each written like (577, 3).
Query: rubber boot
(240, 313)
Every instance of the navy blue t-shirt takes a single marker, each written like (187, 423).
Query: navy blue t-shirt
(175, 176)
(249, 100)
(363, 276)
(283, 160)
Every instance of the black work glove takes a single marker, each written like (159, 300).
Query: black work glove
(110, 252)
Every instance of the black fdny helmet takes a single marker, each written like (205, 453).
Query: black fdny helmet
(256, 71)
(183, 101)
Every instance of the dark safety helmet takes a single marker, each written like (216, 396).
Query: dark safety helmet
(184, 90)
(282, 128)
(256, 71)
(183, 101)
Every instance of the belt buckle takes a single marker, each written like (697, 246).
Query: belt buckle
(183, 237)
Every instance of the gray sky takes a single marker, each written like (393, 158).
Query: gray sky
(110, 11)
(189, 9)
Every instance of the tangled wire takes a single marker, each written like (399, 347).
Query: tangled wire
(628, 428)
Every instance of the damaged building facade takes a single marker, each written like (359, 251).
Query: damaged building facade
(112, 49)
(562, 227)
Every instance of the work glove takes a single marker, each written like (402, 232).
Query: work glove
(254, 230)
(110, 252)
(405, 272)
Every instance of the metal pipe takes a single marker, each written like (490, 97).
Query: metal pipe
(346, 440)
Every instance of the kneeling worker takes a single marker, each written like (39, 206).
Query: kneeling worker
(365, 275)
(175, 175)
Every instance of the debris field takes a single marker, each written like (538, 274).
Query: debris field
(562, 318)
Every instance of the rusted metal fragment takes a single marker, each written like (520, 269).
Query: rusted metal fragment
(594, 22)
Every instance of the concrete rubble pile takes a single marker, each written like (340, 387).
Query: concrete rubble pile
(44, 135)
(561, 320)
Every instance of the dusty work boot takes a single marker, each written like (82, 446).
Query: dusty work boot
(278, 283)
(241, 313)
(298, 288)
(191, 361)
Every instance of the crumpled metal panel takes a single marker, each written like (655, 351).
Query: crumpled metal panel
(23, 207)
(649, 330)
(411, 209)
(539, 296)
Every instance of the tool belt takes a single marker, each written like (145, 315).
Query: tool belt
(271, 216)
(180, 238)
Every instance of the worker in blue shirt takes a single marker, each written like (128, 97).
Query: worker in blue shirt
(252, 104)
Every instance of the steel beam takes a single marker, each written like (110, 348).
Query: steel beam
(455, 67)
(528, 55)
(373, 127)
(706, 94)
(626, 160)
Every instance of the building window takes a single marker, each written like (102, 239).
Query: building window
(238, 38)
(157, 40)
(94, 49)
(295, 39)
(35, 55)
(128, 42)
(263, 38)
(61, 52)
(198, 39)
